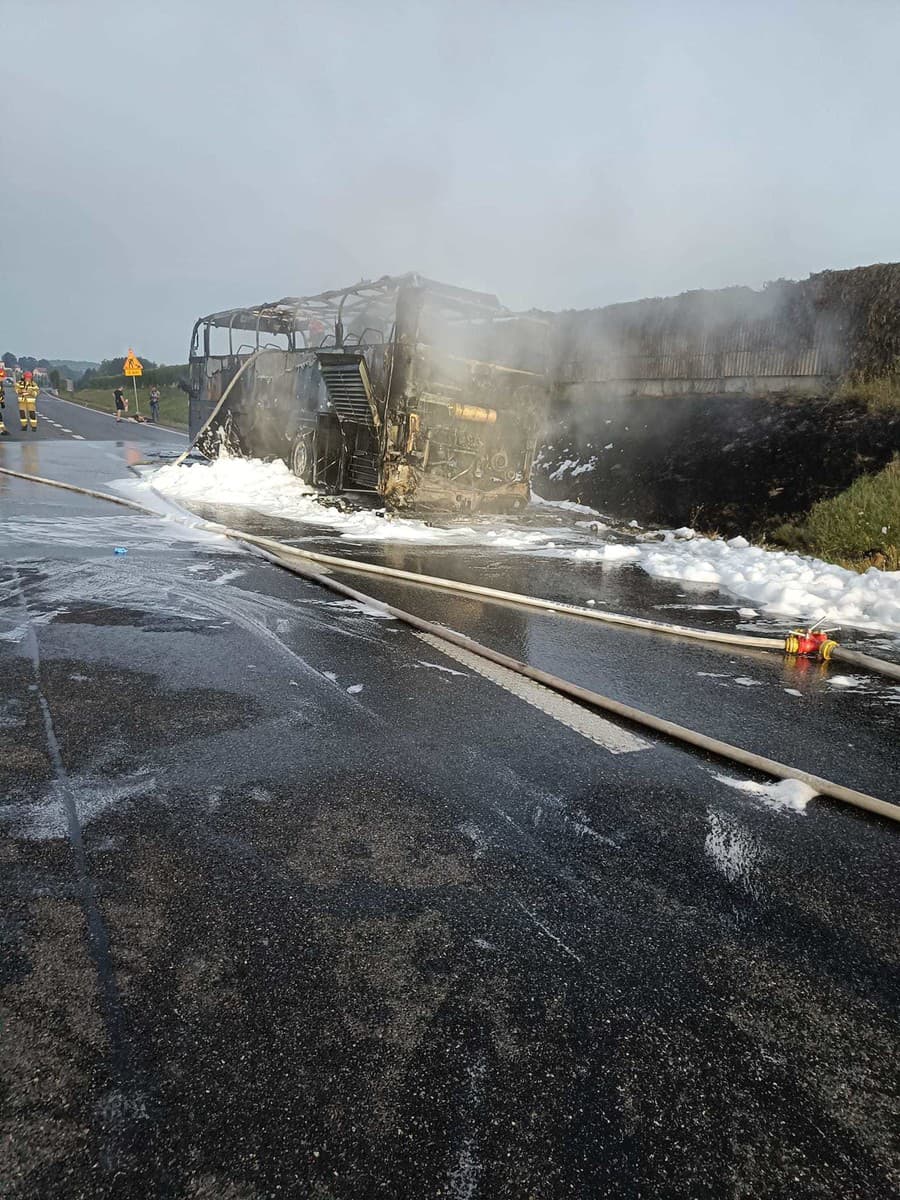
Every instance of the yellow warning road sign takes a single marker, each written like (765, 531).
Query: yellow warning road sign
(133, 365)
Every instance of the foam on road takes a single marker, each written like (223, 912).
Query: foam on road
(777, 582)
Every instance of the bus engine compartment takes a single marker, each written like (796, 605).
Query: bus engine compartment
(427, 395)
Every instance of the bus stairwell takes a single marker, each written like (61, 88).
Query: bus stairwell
(350, 394)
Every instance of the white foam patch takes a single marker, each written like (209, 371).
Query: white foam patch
(271, 488)
(778, 581)
(787, 795)
(563, 505)
(775, 582)
(731, 847)
(846, 682)
(229, 576)
(104, 582)
(367, 610)
(566, 466)
(47, 818)
(517, 539)
(607, 553)
(104, 532)
(585, 467)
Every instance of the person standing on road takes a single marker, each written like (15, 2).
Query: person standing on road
(154, 404)
(27, 391)
(119, 397)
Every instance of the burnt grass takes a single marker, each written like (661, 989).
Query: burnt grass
(721, 464)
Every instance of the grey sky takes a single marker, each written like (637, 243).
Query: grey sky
(163, 160)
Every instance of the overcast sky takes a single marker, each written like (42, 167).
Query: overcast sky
(167, 159)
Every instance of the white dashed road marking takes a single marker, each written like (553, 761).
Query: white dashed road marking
(61, 428)
(589, 724)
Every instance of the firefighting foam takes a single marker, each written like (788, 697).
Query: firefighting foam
(778, 583)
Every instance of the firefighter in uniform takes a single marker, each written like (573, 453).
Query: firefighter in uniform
(3, 430)
(27, 391)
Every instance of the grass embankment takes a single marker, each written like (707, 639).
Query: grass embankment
(878, 394)
(860, 528)
(173, 403)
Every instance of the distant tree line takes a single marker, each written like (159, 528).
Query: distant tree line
(110, 374)
(26, 362)
(115, 366)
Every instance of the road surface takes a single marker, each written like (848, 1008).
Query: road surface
(295, 903)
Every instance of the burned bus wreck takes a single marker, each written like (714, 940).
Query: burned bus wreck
(422, 393)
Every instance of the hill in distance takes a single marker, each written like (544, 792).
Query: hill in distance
(72, 367)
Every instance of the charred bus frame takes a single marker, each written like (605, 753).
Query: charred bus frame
(418, 391)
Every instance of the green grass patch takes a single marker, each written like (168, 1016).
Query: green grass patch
(877, 394)
(173, 403)
(859, 528)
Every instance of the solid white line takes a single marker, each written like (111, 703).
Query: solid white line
(581, 720)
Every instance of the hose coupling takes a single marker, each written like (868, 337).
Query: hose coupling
(808, 643)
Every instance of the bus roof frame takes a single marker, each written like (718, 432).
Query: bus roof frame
(294, 313)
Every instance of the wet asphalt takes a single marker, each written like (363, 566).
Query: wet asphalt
(294, 904)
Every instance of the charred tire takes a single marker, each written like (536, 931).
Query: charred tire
(302, 459)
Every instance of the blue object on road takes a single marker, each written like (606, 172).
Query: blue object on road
(120, 550)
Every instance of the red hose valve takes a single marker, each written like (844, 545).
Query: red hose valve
(808, 643)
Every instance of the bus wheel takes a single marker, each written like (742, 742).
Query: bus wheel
(302, 458)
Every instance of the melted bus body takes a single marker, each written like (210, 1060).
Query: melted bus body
(422, 393)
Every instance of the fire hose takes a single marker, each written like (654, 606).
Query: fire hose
(282, 554)
(215, 412)
(804, 643)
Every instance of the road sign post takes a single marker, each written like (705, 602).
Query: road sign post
(134, 368)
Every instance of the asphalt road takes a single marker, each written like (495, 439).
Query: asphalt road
(60, 419)
(296, 904)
